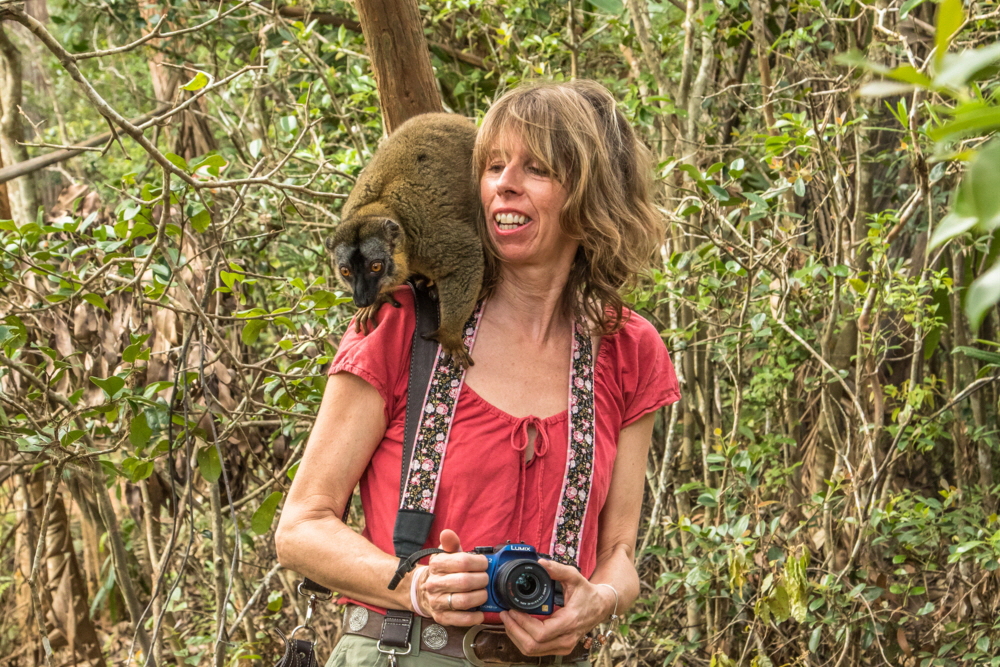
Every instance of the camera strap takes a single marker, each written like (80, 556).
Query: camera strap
(412, 527)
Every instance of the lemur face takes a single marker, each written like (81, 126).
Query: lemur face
(365, 263)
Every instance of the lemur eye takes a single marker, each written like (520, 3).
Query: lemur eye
(346, 272)
(376, 267)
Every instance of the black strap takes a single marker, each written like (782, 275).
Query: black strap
(408, 563)
(412, 526)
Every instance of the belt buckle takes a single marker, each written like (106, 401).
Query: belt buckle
(468, 645)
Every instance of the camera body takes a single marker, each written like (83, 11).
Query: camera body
(518, 581)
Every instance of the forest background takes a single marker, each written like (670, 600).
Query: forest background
(824, 494)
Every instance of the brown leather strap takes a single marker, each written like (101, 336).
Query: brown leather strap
(396, 626)
(489, 644)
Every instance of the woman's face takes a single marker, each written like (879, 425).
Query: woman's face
(523, 204)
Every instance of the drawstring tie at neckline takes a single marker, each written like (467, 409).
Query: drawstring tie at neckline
(520, 435)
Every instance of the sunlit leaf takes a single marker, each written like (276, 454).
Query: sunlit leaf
(979, 120)
(199, 81)
(983, 294)
(957, 69)
(950, 17)
(884, 89)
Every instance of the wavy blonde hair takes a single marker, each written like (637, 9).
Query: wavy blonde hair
(575, 131)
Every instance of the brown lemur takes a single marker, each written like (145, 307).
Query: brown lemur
(414, 211)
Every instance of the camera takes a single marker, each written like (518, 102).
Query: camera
(518, 581)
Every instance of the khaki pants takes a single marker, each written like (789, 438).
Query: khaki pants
(357, 651)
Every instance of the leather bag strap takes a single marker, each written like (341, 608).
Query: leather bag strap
(413, 526)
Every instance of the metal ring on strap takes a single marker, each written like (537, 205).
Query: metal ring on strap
(318, 596)
(392, 651)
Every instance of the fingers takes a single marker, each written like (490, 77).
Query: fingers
(554, 636)
(561, 572)
(450, 541)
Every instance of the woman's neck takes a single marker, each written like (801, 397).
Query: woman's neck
(530, 300)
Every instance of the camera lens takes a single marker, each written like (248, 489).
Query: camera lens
(526, 584)
(522, 584)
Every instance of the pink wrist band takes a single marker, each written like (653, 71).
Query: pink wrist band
(413, 593)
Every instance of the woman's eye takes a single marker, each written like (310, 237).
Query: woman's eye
(495, 168)
(537, 170)
(376, 267)
(346, 272)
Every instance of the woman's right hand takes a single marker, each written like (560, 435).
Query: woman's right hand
(452, 583)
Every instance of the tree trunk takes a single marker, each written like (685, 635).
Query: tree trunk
(21, 191)
(402, 64)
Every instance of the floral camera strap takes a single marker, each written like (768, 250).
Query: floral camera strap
(437, 416)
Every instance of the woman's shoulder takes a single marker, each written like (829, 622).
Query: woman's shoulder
(386, 338)
(637, 335)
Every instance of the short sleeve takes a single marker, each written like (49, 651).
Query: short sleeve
(648, 378)
(381, 356)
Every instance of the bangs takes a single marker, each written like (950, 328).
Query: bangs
(529, 116)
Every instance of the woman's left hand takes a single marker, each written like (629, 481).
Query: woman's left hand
(587, 605)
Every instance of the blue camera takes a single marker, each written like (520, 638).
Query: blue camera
(518, 581)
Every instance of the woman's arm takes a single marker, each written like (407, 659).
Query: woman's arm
(588, 603)
(311, 539)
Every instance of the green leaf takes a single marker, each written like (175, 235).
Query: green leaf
(799, 187)
(908, 7)
(141, 471)
(199, 81)
(719, 193)
(951, 225)
(983, 293)
(255, 147)
(251, 330)
(176, 160)
(212, 164)
(14, 334)
(950, 17)
(780, 608)
(96, 301)
(208, 464)
(139, 431)
(264, 516)
(910, 74)
(884, 89)
(814, 638)
(979, 120)
(111, 386)
(957, 69)
(981, 355)
(609, 6)
(201, 220)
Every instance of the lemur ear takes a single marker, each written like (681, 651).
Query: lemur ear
(392, 229)
(329, 243)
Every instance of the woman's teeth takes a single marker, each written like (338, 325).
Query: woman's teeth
(510, 221)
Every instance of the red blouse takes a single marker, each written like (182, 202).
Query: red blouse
(482, 468)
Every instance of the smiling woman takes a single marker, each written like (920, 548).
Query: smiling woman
(574, 135)
(542, 442)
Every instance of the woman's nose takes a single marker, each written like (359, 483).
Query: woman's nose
(508, 182)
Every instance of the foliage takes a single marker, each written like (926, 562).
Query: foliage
(825, 492)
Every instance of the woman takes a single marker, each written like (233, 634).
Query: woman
(565, 189)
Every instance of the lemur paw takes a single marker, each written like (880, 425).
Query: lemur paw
(454, 348)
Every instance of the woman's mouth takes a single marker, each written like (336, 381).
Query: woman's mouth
(508, 222)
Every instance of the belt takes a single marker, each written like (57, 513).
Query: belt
(481, 644)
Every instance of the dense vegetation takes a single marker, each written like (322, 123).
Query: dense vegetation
(825, 493)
